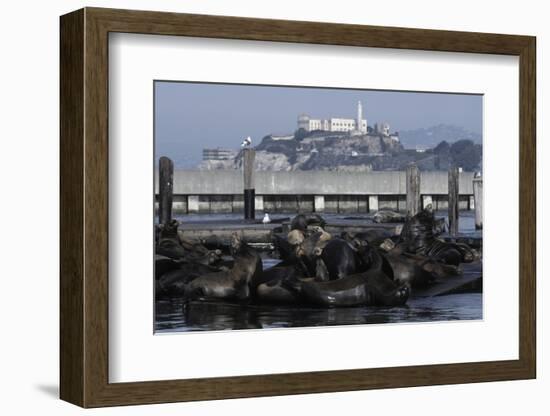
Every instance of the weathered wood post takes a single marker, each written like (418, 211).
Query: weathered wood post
(166, 189)
(478, 200)
(249, 189)
(413, 190)
(453, 200)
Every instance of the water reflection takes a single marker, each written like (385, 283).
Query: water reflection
(172, 316)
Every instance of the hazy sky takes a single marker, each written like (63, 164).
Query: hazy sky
(192, 116)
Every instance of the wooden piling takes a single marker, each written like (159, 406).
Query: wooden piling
(453, 200)
(166, 189)
(249, 188)
(413, 190)
(478, 201)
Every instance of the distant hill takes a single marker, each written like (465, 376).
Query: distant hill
(432, 136)
(438, 148)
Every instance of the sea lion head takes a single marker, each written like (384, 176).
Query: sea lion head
(299, 222)
(323, 236)
(387, 245)
(367, 255)
(295, 237)
(214, 256)
(236, 243)
(168, 230)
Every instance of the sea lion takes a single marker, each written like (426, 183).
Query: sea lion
(298, 247)
(315, 220)
(340, 258)
(314, 243)
(301, 222)
(295, 237)
(211, 258)
(322, 236)
(168, 242)
(232, 284)
(387, 245)
(418, 237)
(405, 270)
(173, 282)
(198, 252)
(385, 216)
(373, 237)
(164, 265)
(272, 288)
(283, 282)
(370, 288)
(281, 245)
(310, 249)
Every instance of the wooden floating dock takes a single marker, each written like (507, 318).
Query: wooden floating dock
(219, 232)
(470, 281)
(474, 240)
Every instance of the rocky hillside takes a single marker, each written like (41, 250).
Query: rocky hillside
(361, 153)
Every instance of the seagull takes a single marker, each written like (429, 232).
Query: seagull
(266, 219)
(246, 142)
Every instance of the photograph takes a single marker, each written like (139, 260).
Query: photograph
(235, 183)
(279, 206)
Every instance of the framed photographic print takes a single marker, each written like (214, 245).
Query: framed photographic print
(255, 207)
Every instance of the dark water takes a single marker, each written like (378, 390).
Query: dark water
(210, 316)
(172, 316)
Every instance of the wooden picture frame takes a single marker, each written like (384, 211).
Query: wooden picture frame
(84, 207)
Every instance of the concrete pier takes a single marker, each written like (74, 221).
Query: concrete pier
(373, 203)
(193, 204)
(311, 191)
(478, 201)
(259, 202)
(427, 200)
(319, 203)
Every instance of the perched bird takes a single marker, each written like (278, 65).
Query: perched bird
(246, 142)
(266, 219)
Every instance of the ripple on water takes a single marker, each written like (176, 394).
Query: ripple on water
(171, 316)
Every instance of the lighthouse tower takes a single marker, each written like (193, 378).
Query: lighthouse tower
(361, 124)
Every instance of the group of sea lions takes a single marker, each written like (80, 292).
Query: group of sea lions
(316, 268)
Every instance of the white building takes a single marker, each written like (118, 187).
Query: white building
(218, 154)
(283, 137)
(382, 128)
(357, 125)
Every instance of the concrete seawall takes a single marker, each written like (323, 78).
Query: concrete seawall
(306, 191)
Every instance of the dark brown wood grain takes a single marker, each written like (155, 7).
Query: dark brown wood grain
(166, 189)
(71, 216)
(414, 204)
(453, 200)
(84, 207)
